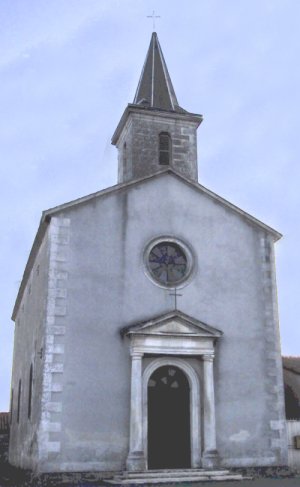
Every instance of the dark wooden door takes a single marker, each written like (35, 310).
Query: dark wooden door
(168, 419)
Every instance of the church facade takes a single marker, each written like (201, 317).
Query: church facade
(146, 325)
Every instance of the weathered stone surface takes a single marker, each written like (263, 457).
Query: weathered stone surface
(140, 156)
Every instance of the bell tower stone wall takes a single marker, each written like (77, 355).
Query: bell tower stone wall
(138, 144)
(155, 132)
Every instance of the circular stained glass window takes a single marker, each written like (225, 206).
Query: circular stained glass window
(167, 263)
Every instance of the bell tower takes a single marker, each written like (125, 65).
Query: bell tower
(155, 132)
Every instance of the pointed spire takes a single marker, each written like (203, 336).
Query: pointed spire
(155, 89)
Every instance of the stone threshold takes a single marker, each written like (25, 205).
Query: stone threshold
(173, 476)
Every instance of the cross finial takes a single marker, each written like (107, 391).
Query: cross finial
(153, 17)
(175, 294)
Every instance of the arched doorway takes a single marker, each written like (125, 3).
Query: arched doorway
(168, 419)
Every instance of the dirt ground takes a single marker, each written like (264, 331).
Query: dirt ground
(266, 482)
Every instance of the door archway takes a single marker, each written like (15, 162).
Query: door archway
(194, 402)
(168, 419)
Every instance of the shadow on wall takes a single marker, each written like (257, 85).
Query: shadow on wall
(291, 377)
(292, 405)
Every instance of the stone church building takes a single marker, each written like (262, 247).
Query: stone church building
(146, 325)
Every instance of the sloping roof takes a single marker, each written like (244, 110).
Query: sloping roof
(47, 214)
(292, 364)
(155, 94)
(155, 87)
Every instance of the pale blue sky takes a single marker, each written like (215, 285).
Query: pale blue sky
(69, 67)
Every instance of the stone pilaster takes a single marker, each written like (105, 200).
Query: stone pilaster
(210, 454)
(136, 456)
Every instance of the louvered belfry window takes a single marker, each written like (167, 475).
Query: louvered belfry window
(164, 148)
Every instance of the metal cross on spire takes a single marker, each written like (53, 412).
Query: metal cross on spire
(176, 295)
(153, 17)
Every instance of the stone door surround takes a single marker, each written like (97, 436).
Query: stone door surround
(168, 336)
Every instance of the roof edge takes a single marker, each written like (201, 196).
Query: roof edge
(277, 235)
(132, 108)
(44, 222)
(291, 369)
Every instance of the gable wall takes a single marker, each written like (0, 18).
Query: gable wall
(232, 289)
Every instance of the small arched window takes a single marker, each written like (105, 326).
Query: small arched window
(164, 148)
(30, 392)
(19, 401)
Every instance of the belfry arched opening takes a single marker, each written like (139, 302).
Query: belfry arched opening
(168, 419)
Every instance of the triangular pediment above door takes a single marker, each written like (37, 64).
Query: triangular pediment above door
(174, 323)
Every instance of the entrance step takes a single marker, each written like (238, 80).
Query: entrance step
(172, 476)
(178, 472)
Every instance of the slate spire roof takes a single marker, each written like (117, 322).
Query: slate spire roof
(155, 89)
